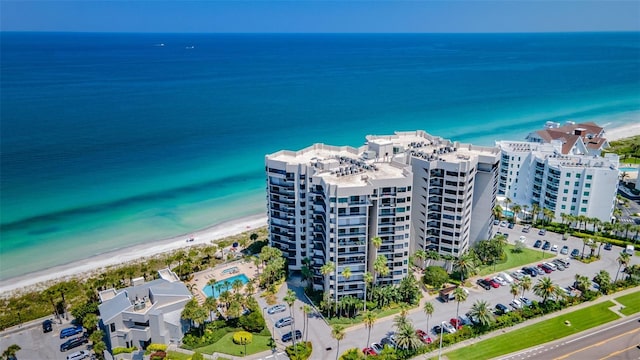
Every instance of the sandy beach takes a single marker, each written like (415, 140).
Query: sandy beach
(87, 266)
(90, 265)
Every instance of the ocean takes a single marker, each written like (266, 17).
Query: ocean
(111, 140)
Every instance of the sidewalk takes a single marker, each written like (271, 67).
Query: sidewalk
(611, 297)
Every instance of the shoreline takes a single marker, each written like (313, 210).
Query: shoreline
(88, 266)
(85, 267)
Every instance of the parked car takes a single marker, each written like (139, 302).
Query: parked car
(285, 321)
(464, 320)
(608, 246)
(74, 342)
(516, 304)
(522, 239)
(436, 330)
(564, 262)
(496, 222)
(424, 337)
(47, 326)
(511, 225)
(494, 284)
(564, 250)
(526, 228)
(526, 301)
(575, 253)
(530, 271)
(78, 355)
(545, 269)
(540, 271)
(377, 348)
(553, 267)
(504, 223)
(537, 244)
(500, 281)
(501, 309)
(484, 283)
(518, 274)
(456, 323)
(387, 341)
(448, 328)
(70, 331)
(542, 232)
(288, 336)
(369, 351)
(276, 309)
(546, 246)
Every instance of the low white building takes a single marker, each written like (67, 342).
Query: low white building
(148, 312)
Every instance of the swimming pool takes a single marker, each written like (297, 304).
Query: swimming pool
(215, 290)
(628, 169)
(507, 213)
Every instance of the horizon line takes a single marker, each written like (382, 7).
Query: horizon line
(321, 33)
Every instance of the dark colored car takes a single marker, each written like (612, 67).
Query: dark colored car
(74, 343)
(546, 246)
(545, 268)
(484, 283)
(388, 341)
(501, 309)
(575, 253)
(70, 331)
(437, 329)
(537, 244)
(608, 246)
(530, 271)
(496, 222)
(288, 336)
(47, 326)
(511, 225)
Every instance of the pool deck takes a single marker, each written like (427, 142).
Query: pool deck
(202, 278)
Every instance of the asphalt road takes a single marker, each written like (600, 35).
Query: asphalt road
(619, 340)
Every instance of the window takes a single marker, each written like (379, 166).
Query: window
(575, 192)
(589, 177)
(566, 183)
(568, 174)
(584, 202)
(564, 198)
(563, 207)
(577, 183)
(112, 327)
(583, 209)
(586, 193)
(573, 208)
(566, 191)
(587, 186)
(577, 176)
(343, 200)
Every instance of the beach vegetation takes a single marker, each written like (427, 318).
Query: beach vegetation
(628, 149)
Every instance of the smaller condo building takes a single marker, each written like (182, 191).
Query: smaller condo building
(540, 173)
(145, 313)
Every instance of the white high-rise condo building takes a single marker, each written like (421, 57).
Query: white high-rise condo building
(537, 173)
(412, 190)
(326, 203)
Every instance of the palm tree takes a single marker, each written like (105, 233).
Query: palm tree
(290, 299)
(376, 241)
(369, 318)
(460, 295)
(623, 259)
(211, 304)
(368, 281)
(535, 211)
(481, 312)
(525, 209)
(507, 201)
(582, 282)
(380, 267)
(422, 256)
(346, 273)
(515, 290)
(585, 242)
(548, 215)
(464, 265)
(545, 288)
(497, 212)
(337, 332)
(406, 337)
(516, 210)
(237, 285)
(306, 310)
(428, 310)
(525, 284)
(326, 270)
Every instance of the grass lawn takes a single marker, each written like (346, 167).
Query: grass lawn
(358, 319)
(227, 346)
(174, 355)
(631, 303)
(539, 333)
(527, 256)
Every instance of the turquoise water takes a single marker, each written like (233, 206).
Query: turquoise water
(225, 285)
(109, 141)
(628, 169)
(507, 213)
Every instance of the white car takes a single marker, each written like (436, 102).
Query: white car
(78, 355)
(522, 239)
(276, 309)
(516, 304)
(554, 248)
(500, 281)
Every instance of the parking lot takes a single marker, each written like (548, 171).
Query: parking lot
(35, 344)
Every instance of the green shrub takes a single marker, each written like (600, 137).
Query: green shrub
(124, 350)
(157, 347)
(242, 337)
(252, 322)
(303, 349)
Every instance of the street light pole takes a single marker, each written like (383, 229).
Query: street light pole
(441, 330)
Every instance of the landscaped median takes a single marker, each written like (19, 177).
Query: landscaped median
(539, 333)
(631, 303)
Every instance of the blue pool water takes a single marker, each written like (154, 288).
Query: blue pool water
(507, 213)
(628, 169)
(210, 290)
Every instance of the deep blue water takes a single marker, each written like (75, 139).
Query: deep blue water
(111, 139)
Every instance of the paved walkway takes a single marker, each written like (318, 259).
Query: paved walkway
(434, 354)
